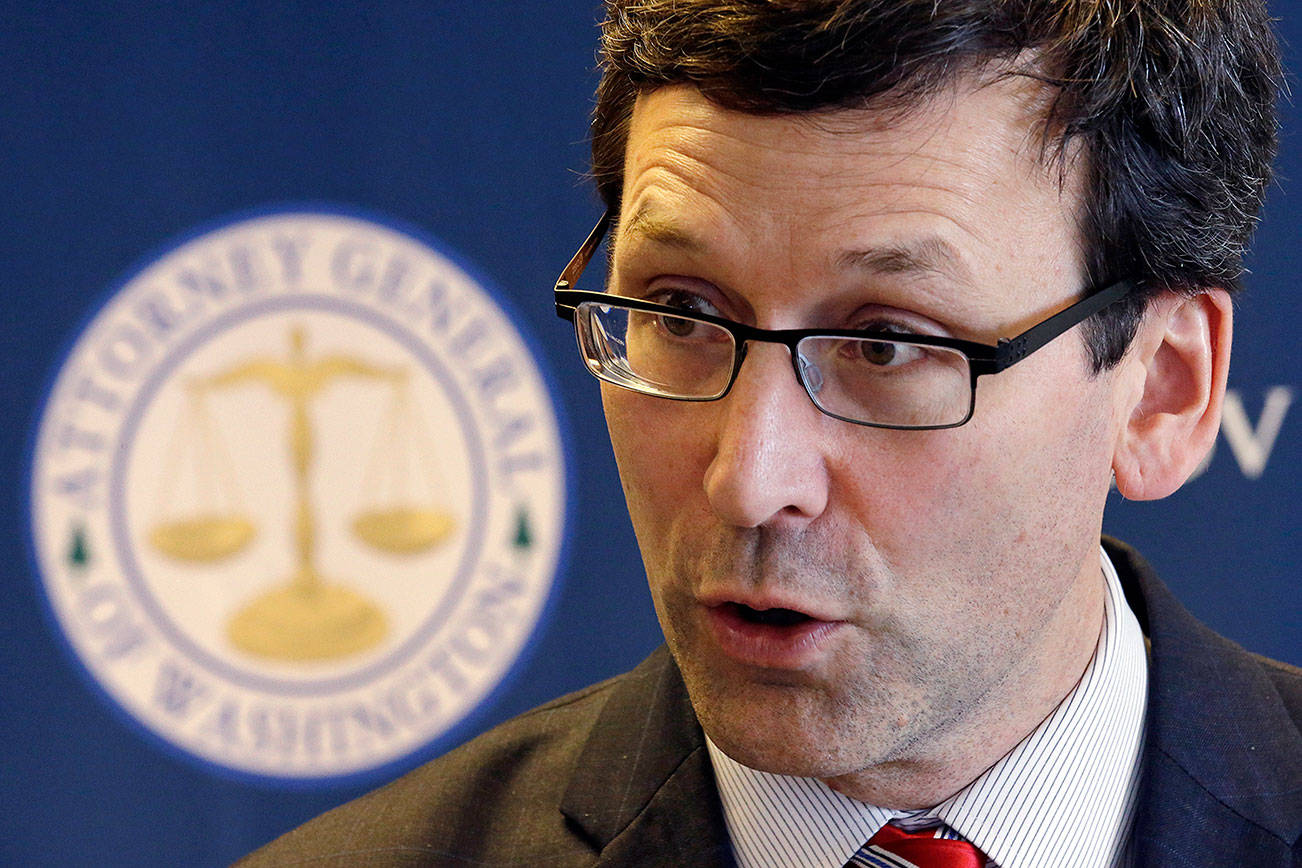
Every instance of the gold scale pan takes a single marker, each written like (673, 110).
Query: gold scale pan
(211, 538)
(403, 529)
(203, 538)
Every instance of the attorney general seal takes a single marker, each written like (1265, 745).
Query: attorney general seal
(298, 495)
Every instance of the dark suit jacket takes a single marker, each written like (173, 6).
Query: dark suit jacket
(618, 774)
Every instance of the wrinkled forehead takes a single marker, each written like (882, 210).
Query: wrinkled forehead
(981, 140)
(1015, 120)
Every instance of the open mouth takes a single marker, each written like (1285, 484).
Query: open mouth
(772, 637)
(776, 617)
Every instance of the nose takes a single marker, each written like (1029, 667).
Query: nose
(769, 465)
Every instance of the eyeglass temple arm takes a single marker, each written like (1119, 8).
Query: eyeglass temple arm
(1010, 351)
(581, 259)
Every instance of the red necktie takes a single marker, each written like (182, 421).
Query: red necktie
(892, 847)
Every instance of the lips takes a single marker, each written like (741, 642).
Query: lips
(772, 637)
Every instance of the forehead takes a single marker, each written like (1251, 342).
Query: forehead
(960, 183)
(990, 127)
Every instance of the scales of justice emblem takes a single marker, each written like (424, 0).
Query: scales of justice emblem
(308, 617)
(298, 495)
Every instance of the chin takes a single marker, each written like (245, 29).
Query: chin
(785, 751)
(774, 728)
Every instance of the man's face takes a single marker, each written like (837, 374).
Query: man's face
(946, 582)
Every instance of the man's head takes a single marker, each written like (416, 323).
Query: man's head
(892, 610)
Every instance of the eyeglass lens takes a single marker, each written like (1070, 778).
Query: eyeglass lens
(895, 383)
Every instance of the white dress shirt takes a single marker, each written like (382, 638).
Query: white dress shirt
(1064, 796)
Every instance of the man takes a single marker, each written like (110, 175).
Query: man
(897, 290)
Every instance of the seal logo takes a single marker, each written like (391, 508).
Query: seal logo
(298, 495)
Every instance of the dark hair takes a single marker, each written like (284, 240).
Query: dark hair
(1173, 102)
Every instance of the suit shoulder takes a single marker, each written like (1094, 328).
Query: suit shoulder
(493, 800)
(1288, 681)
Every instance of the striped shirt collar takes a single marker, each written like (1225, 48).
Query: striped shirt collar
(1065, 796)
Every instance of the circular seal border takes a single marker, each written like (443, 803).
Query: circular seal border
(474, 718)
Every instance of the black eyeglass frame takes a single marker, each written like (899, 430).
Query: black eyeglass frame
(982, 358)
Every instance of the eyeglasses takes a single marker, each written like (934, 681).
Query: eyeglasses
(881, 379)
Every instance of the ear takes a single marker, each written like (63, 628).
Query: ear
(1170, 415)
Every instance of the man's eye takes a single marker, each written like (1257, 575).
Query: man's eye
(679, 328)
(687, 300)
(877, 352)
(690, 303)
(886, 353)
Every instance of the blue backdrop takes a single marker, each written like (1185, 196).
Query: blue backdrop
(127, 125)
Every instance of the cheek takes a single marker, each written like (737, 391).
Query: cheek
(658, 458)
(922, 498)
(965, 499)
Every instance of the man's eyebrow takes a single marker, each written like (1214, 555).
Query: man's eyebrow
(930, 254)
(649, 223)
(927, 255)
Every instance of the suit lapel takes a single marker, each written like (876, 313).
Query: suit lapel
(1223, 757)
(643, 790)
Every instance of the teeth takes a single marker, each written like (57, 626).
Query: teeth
(772, 617)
